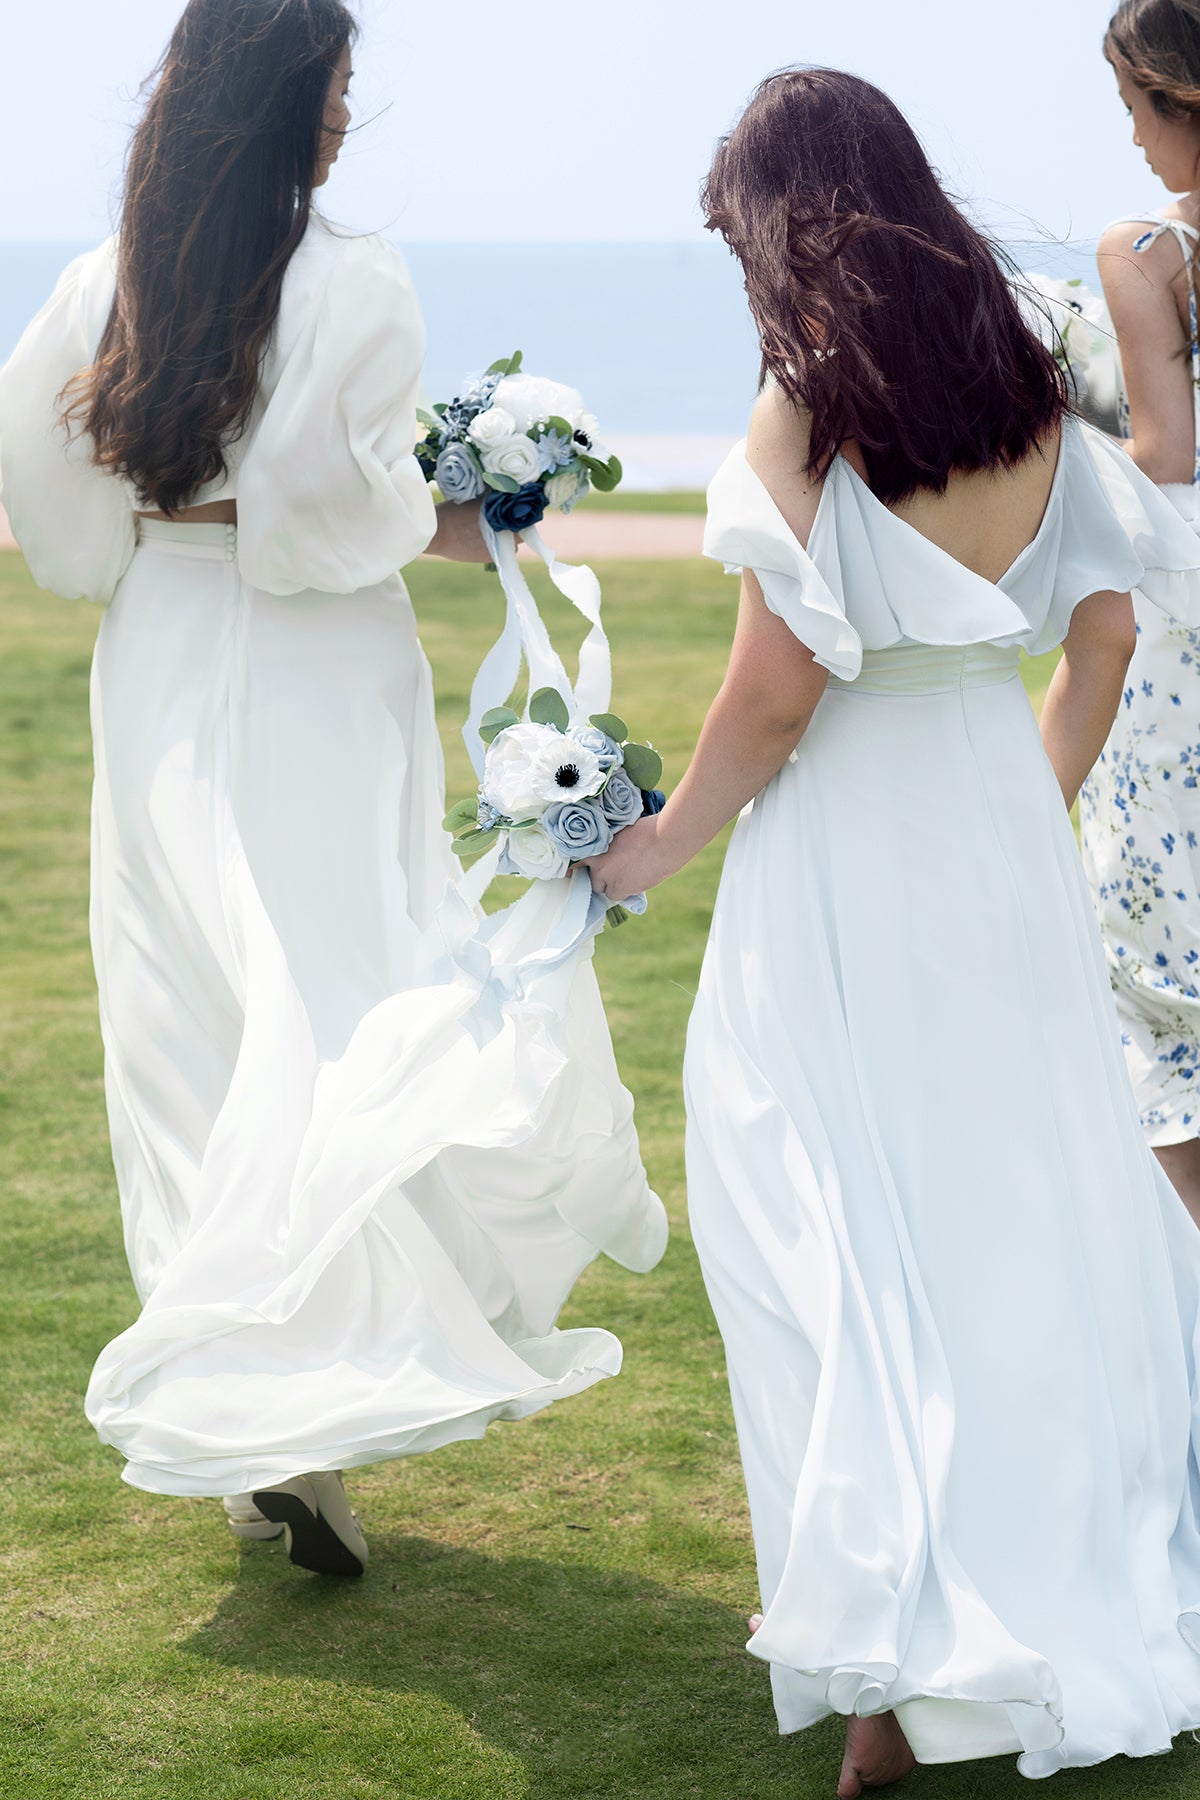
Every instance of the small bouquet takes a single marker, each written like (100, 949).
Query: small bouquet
(1075, 326)
(556, 793)
(523, 442)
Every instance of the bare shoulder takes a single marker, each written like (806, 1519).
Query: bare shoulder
(1136, 276)
(777, 445)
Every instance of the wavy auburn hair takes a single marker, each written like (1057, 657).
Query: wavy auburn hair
(880, 311)
(218, 191)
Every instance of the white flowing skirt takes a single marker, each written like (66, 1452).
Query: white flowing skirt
(958, 1297)
(365, 1141)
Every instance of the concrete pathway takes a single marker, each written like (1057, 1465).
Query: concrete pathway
(585, 535)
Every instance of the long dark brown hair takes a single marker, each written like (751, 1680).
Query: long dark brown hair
(218, 193)
(880, 310)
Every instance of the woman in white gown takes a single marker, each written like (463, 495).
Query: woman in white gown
(959, 1298)
(1140, 807)
(364, 1143)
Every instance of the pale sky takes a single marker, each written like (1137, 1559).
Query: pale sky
(597, 121)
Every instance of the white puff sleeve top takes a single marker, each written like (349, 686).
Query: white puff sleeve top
(329, 494)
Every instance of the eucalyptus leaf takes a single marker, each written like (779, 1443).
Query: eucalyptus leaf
(440, 408)
(473, 843)
(494, 722)
(643, 766)
(547, 707)
(613, 727)
(464, 812)
(554, 423)
(504, 484)
(428, 418)
(615, 469)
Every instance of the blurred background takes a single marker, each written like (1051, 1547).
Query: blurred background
(541, 169)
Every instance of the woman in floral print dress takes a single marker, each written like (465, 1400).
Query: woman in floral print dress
(1140, 808)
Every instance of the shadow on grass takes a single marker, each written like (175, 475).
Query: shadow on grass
(601, 1682)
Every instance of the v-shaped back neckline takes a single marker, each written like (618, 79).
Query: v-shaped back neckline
(939, 549)
(841, 462)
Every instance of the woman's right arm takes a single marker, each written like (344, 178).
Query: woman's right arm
(1140, 287)
(1085, 690)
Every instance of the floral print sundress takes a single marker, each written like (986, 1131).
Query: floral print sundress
(1140, 826)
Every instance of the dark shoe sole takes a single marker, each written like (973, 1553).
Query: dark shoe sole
(312, 1542)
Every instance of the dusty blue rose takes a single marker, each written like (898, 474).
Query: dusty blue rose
(458, 473)
(606, 750)
(515, 512)
(578, 828)
(620, 800)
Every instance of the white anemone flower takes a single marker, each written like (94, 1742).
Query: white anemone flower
(529, 766)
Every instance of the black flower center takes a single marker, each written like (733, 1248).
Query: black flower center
(567, 775)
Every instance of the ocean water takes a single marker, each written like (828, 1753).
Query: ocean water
(656, 336)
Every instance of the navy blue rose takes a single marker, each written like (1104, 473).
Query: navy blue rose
(653, 801)
(516, 512)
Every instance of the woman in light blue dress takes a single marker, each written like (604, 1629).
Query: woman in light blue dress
(959, 1298)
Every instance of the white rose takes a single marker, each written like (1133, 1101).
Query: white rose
(491, 427)
(531, 853)
(565, 487)
(532, 399)
(515, 456)
(509, 770)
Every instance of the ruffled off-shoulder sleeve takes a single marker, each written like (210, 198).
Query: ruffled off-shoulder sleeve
(1107, 527)
(329, 493)
(746, 530)
(869, 581)
(73, 521)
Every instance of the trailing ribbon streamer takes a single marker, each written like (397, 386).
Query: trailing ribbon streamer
(524, 634)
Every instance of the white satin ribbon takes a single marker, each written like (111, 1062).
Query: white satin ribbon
(524, 635)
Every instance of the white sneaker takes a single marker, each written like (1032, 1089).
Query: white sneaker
(245, 1520)
(322, 1532)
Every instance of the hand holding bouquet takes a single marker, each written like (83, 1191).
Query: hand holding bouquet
(555, 792)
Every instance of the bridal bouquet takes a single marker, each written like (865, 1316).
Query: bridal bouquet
(555, 792)
(521, 441)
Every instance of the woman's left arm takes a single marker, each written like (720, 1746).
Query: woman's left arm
(767, 699)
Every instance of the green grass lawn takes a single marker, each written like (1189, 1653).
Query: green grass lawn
(631, 500)
(554, 1614)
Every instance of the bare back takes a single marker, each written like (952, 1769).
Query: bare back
(983, 520)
